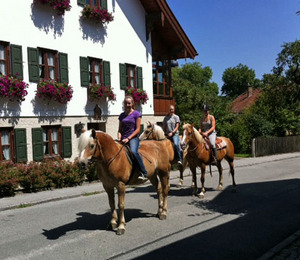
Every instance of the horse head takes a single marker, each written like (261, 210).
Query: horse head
(188, 133)
(87, 147)
(152, 132)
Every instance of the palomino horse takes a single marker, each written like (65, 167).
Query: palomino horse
(116, 171)
(197, 155)
(155, 132)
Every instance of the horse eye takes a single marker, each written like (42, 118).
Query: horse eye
(92, 146)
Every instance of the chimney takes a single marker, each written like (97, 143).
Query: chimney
(250, 90)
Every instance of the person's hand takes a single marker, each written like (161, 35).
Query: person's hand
(170, 134)
(204, 134)
(125, 141)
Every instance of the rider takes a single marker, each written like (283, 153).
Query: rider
(207, 129)
(128, 132)
(170, 126)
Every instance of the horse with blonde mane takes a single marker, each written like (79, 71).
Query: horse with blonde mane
(116, 171)
(198, 155)
(155, 132)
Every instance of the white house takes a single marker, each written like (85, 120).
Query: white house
(136, 49)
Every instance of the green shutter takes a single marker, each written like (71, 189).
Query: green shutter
(123, 83)
(103, 4)
(37, 144)
(142, 129)
(67, 141)
(106, 72)
(81, 2)
(33, 64)
(63, 68)
(84, 71)
(139, 72)
(20, 145)
(17, 60)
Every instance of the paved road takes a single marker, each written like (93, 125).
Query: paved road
(246, 225)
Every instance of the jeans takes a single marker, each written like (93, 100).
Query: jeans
(176, 141)
(134, 144)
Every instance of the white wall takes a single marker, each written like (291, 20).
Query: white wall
(122, 40)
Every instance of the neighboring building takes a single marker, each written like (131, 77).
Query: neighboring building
(137, 48)
(245, 100)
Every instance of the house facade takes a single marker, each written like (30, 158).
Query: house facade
(137, 48)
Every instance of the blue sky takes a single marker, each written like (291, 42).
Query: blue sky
(228, 32)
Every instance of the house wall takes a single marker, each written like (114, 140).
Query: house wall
(121, 41)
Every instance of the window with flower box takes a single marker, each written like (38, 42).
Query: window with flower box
(51, 141)
(48, 65)
(94, 71)
(98, 3)
(13, 145)
(131, 75)
(11, 59)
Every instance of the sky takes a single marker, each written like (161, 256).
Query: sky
(226, 33)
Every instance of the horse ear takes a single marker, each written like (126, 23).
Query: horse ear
(83, 130)
(94, 133)
(148, 123)
(193, 124)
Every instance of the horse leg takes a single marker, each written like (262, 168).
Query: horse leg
(194, 178)
(121, 196)
(220, 169)
(111, 199)
(201, 194)
(231, 165)
(181, 169)
(164, 180)
(157, 186)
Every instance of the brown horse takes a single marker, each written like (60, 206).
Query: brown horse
(155, 132)
(198, 155)
(116, 171)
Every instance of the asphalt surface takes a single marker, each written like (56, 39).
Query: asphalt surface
(289, 249)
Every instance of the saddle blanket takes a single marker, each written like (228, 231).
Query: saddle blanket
(220, 144)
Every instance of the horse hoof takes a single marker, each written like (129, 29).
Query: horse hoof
(112, 226)
(201, 195)
(219, 188)
(162, 217)
(120, 231)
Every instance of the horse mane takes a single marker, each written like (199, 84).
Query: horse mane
(159, 132)
(84, 139)
(198, 136)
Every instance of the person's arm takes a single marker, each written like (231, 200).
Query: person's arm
(176, 128)
(200, 131)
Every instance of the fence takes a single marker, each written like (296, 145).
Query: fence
(274, 145)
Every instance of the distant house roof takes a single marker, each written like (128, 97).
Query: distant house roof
(169, 40)
(245, 100)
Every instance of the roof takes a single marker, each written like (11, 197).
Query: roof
(245, 100)
(169, 40)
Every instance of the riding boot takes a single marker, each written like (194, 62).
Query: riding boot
(215, 156)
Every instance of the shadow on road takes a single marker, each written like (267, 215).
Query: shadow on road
(268, 213)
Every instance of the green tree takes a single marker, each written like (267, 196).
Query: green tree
(236, 80)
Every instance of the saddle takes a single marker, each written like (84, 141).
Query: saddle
(220, 143)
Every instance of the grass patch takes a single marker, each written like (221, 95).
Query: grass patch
(243, 155)
(22, 206)
(91, 193)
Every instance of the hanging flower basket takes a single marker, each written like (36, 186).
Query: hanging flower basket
(51, 90)
(139, 96)
(60, 6)
(96, 14)
(97, 92)
(13, 88)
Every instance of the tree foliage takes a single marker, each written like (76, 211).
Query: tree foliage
(236, 80)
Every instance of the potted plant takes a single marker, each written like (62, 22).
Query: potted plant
(99, 91)
(60, 6)
(139, 96)
(96, 14)
(51, 90)
(13, 88)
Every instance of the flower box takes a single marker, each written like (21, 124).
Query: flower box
(139, 96)
(100, 91)
(13, 88)
(60, 6)
(51, 90)
(96, 14)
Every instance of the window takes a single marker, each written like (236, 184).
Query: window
(47, 64)
(11, 60)
(13, 145)
(131, 75)
(51, 141)
(99, 3)
(94, 71)
(161, 79)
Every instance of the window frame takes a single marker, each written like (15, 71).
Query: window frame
(6, 61)
(159, 67)
(93, 73)
(11, 144)
(45, 54)
(50, 141)
(96, 3)
(130, 67)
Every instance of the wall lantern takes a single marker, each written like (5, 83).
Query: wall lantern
(97, 112)
(78, 128)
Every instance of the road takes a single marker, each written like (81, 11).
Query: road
(224, 225)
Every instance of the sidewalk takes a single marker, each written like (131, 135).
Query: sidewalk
(288, 249)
